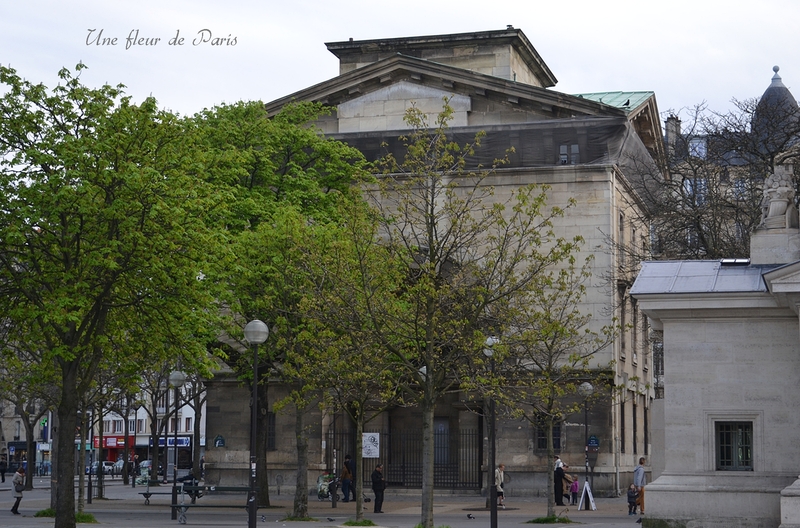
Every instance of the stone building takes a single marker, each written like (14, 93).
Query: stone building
(579, 145)
(725, 448)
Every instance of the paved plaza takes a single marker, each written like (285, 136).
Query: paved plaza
(124, 507)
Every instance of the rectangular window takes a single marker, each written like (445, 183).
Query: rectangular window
(696, 190)
(697, 147)
(140, 426)
(188, 424)
(734, 446)
(569, 154)
(623, 321)
(622, 427)
(131, 426)
(646, 434)
(740, 188)
(271, 446)
(621, 241)
(541, 437)
(635, 428)
(634, 331)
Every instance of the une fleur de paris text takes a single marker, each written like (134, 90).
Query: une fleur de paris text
(136, 38)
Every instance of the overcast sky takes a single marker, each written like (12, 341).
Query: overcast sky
(685, 51)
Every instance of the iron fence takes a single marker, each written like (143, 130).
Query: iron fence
(457, 458)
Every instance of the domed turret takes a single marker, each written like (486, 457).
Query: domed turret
(775, 120)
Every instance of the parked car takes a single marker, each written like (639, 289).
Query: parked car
(148, 465)
(119, 464)
(108, 468)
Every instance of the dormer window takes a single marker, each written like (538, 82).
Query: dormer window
(569, 155)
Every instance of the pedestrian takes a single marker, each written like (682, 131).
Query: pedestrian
(568, 480)
(558, 481)
(633, 496)
(378, 485)
(3, 468)
(640, 480)
(499, 477)
(18, 483)
(347, 479)
(573, 489)
(202, 467)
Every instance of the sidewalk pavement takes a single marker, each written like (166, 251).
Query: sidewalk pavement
(124, 507)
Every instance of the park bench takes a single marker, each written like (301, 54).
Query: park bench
(147, 493)
(199, 491)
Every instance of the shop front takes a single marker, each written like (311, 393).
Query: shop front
(114, 447)
(184, 450)
(17, 455)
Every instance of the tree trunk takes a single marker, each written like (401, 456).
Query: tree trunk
(300, 510)
(54, 434)
(198, 415)
(427, 462)
(31, 449)
(551, 455)
(65, 469)
(358, 478)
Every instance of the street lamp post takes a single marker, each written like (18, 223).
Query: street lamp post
(586, 389)
(255, 332)
(176, 379)
(488, 351)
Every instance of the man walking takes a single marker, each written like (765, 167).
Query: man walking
(640, 480)
(378, 485)
(3, 467)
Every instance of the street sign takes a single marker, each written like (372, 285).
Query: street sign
(593, 441)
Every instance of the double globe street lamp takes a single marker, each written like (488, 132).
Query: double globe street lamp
(255, 332)
(586, 390)
(488, 351)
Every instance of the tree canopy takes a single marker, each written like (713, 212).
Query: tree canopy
(106, 221)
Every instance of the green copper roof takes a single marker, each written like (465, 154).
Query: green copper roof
(623, 100)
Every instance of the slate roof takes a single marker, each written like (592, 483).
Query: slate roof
(700, 276)
(626, 101)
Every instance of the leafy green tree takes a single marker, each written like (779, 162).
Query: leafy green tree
(349, 369)
(553, 347)
(288, 181)
(465, 256)
(106, 220)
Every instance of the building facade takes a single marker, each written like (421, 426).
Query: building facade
(727, 454)
(580, 146)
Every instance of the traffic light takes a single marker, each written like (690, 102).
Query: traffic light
(43, 422)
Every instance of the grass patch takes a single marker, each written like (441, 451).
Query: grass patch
(307, 519)
(362, 522)
(551, 520)
(80, 517)
(83, 517)
(443, 526)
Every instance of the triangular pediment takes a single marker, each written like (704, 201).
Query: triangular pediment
(533, 101)
(385, 108)
(784, 284)
(785, 279)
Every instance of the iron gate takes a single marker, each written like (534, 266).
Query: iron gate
(457, 458)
